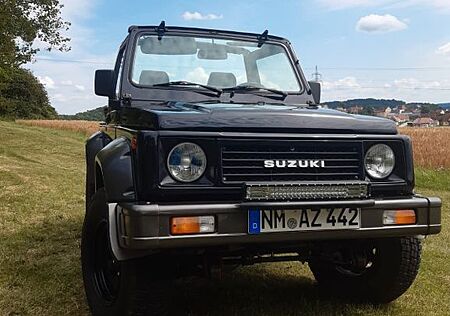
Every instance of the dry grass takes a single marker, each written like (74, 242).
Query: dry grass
(84, 127)
(41, 214)
(431, 146)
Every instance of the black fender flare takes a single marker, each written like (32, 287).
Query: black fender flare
(94, 144)
(115, 162)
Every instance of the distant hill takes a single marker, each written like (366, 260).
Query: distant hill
(90, 115)
(375, 103)
(444, 105)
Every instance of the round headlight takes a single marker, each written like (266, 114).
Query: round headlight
(379, 161)
(186, 162)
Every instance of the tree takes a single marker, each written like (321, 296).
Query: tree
(22, 22)
(368, 110)
(23, 96)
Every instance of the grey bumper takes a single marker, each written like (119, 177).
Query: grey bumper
(146, 226)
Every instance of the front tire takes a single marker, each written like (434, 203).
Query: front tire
(391, 266)
(132, 287)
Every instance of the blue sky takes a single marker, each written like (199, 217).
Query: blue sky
(363, 48)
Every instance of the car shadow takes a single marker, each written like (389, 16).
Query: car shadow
(264, 289)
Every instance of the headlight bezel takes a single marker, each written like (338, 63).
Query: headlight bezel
(181, 180)
(370, 172)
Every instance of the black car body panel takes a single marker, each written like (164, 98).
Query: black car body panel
(257, 117)
(115, 165)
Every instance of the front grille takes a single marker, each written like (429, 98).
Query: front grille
(243, 161)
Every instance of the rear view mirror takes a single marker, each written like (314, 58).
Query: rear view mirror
(104, 83)
(315, 91)
(168, 45)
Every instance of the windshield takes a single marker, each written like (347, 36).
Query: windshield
(217, 63)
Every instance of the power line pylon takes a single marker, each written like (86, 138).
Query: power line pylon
(316, 76)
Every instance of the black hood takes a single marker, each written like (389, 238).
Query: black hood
(254, 117)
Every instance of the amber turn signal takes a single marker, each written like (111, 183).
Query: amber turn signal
(399, 217)
(192, 225)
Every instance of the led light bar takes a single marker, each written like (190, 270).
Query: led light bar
(308, 191)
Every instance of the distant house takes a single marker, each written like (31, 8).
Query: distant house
(387, 111)
(441, 116)
(444, 119)
(399, 119)
(424, 122)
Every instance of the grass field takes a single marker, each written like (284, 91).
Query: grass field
(41, 213)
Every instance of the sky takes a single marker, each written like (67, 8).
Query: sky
(362, 48)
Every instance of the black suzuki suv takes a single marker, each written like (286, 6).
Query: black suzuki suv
(215, 151)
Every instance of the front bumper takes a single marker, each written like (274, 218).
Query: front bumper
(147, 226)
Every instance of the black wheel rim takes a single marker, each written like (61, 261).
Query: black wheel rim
(106, 268)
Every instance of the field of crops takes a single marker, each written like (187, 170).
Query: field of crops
(84, 127)
(431, 145)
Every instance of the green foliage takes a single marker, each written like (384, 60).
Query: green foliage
(428, 108)
(97, 114)
(22, 22)
(22, 96)
(368, 110)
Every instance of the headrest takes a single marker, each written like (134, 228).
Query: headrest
(222, 80)
(151, 77)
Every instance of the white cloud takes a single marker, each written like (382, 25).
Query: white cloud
(197, 75)
(374, 23)
(444, 49)
(79, 87)
(188, 16)
(344, 83)
(414, 84)
(79, 9)
(48, 82)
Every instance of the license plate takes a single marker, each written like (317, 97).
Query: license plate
(267, 221)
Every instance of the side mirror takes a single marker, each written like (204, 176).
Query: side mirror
(315, 89)
(104, 83)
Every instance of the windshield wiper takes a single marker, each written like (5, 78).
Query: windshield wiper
(189, 84)
(252, 88)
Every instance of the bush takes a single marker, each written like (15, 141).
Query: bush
(23, 96)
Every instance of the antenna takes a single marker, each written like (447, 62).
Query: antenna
(316, 76)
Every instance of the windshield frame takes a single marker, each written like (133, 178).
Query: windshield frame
(191, 93)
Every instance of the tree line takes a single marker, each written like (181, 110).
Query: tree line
(24, 24)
